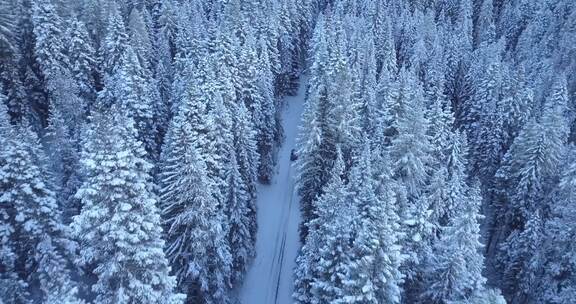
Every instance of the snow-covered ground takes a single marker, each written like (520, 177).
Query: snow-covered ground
(270, 277)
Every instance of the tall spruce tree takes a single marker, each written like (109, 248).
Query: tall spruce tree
(456, 273)
(13, 287)
(197, 244)
(39, 268)
(558, 285)
(119, 226)
(82, 56)
(377, 250)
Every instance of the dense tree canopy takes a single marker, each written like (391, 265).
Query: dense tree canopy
(433, 161)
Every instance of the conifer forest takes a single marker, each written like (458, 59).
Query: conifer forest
(287, 151)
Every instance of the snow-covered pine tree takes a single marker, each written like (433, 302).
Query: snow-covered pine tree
(524, 260)
(332, 265)
(518, 103)
(166, 24)
(64, 160)
(286, 82)
(164, 34)
(225, 62)
(252, 98)
(197, 243)
(411, 148)
(447, 162)
(13, 288)
(269, 131)
(376, 242)
(411, 163)
(383, 40)
(50, 48)
(10, 67)
(50, 51)
(343, 122)
(164, 69)
(241, 219)
(453, 178)
(458, 41)
(112, 47)
(139, 31)
(316, 144)
(559, 284)
(140, 38)
(241, 205)
(455, 272)
(119, 226)
(367, 74)
(7, 25)
(484, 122)
(41, 265)
(82, 58)
(362, 281)
(190, 59)
(391, 256)
(128, 87)
(387, 94)
(485, 29)
(308, 258)
(529, 173)
(270, 33)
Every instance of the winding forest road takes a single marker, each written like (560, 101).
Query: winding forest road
(270, 278)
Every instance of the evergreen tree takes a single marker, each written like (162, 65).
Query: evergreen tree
(128, 88)
(164, 73)
(60, 88)
(64, 158)
(558, 285)
(7, 24)
(331, 264)
(456, 273)
(317, 144)
(411, 149)
(82, 59)
(485, 31)
(241, 205)
(197, 243)
(524, 260)
(239, 215)
(376, 243)
(50, 47)
(484, 115)
(268, 129)
(13, 288)
(113, 46)
(140, 38)
(119, 225)
(384, 41)
(410, 155)
(390, 257)
(38, 267)
(529, 174)
(141, 42)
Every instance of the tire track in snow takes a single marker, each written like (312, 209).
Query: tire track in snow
(278, 244)
(285, 230)
(279, 247)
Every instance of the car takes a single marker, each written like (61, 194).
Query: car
(293, 155)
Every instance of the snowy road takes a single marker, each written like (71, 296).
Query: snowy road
(269, 279)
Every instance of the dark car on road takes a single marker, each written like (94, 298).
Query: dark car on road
(293, 155)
